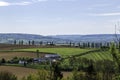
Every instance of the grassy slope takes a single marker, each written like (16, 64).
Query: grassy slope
(102, 55)
(61, 51)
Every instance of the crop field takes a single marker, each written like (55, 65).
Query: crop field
(102, 55)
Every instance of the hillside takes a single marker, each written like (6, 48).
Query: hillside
(10, 37)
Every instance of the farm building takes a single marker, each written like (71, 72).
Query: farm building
(47, 57)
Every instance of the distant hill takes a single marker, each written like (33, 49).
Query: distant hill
(89, 38)
(10, 37)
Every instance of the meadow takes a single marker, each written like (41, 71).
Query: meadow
(60, 51)
(64, 52)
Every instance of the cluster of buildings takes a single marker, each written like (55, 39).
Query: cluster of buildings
(46, 58)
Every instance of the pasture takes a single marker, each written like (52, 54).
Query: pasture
(64, 52)
(60, 51)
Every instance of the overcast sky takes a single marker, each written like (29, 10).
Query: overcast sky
(55, 17)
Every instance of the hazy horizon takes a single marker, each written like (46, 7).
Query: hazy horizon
(59, 17)
(58, 34)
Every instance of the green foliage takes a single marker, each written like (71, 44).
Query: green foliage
(41, 75)
(4, 75)
(115, 55)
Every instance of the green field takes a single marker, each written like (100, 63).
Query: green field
(60, 51)
(101, 55)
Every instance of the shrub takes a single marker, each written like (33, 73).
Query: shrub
(5, 75)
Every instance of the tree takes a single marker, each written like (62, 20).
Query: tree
(3, 61)
(41, 43)
(115, 55)
(15, 42)
(37, 52)
(56, 71)
(29, 42)
(33, 42)
(91, 73)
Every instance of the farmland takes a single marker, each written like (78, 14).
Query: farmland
(60, 51)
(100, 55)
(65, 52)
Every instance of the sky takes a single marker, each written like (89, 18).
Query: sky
(59, 17)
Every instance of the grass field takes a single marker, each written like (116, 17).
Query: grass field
(31, 52)
(101, 55)
(61, 51)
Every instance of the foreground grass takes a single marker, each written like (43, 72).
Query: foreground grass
(18, 71)
(21, 72)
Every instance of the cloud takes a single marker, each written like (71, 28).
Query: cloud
(2, 3)
(39, 0)
(107, 14)
(23, 3)
(99, 6)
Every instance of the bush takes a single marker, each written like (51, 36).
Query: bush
(3, 61)
(5, 75)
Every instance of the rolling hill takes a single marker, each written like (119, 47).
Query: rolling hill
(10, 37)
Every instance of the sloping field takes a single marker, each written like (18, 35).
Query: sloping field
(101, 55)
(61, 51)
(97, 55)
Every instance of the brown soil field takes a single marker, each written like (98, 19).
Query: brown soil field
(10, 55)
(21, 72)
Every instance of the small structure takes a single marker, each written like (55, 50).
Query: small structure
(53, 56)
(22, 62)
(39, 60)
(47, 57)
